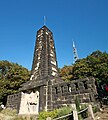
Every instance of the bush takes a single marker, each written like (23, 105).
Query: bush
(55, 113)
(77, 102)
(63, 111)
(43, 115)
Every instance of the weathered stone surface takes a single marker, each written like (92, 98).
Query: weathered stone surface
(13, 101)
(46, 90)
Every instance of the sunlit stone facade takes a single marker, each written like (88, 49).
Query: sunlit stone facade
(46, 90)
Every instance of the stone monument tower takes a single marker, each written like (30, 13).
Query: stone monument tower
(44, 62)
(34, 96)
(46, 90)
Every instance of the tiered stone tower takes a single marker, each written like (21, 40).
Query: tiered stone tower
(44, 62)
(44, 72)
(45, 90)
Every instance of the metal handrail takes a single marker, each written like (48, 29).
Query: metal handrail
(63, 116)
(82, 110)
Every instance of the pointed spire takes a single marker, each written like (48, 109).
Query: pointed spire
(44, 61)
(73, 44)
(75, 52)
(44, 20)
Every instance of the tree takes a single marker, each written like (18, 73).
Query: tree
(95, 65)
(66, 73)
(98, 62)
(12, 76)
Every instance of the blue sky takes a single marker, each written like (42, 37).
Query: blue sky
(85, 21)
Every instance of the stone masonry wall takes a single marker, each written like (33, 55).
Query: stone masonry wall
(13, 101)
(65, 93)
(55, 95)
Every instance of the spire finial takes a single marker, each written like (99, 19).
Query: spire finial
(44, 20)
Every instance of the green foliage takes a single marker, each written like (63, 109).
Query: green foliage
(83, 106)
(80, 117)
(43, 115)
(66, 73)
(8, 112)
(96, 109)
(80, 107)
(55, 113)
(95, 65)
(77, 102)
(12, 76)
(63, 111)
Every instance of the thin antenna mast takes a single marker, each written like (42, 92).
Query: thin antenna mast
(44, 20)
(75, 52)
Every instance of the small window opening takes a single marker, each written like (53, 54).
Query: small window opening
(85, 84)
(62, 89)
(33, 91)
(56, 90)
(69, 88)
(76, 84)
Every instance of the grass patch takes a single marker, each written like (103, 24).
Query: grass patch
(9, 112)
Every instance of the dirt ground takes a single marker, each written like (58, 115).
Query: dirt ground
(103, 114)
